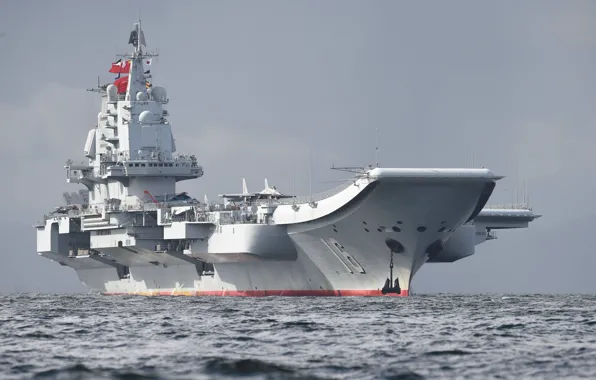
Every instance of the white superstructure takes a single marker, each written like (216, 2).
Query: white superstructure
(130, 232)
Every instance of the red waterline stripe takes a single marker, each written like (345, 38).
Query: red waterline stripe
(265, 293)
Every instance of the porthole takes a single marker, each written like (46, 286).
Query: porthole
(394, 245)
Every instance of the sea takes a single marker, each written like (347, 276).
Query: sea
(500, 336)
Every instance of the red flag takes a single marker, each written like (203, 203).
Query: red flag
(121, 84)
(120, 67)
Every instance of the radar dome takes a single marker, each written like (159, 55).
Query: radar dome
(159, 93)
(147, 117)
(141, 96)
(112, 91)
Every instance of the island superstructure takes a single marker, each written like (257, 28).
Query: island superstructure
(130, 232)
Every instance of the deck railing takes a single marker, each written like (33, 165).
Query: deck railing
(510, 206)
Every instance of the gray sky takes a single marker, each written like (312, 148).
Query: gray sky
(254, 84)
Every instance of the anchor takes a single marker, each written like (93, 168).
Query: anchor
(388, 288)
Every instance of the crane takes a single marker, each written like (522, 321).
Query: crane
(152, 197)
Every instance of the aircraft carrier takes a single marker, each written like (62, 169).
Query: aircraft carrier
(128, 231)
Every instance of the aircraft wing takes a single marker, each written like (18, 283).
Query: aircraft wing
(238, 195)
(253, 196)
(283, 196)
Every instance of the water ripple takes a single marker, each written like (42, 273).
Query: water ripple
(454, 336)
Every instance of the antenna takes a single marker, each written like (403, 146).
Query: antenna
(472, 157)
(310, 171)
(513, 184)
(377, 149)
(523, 192)
(516, 180)
(294, 184)
(139, 31)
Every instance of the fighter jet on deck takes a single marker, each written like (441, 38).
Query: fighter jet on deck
(267, 193)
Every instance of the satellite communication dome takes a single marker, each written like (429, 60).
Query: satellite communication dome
(141, 96)
(112, 91)
(147, 117)
(159, 93)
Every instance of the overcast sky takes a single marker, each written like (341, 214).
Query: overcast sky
(255, 85)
